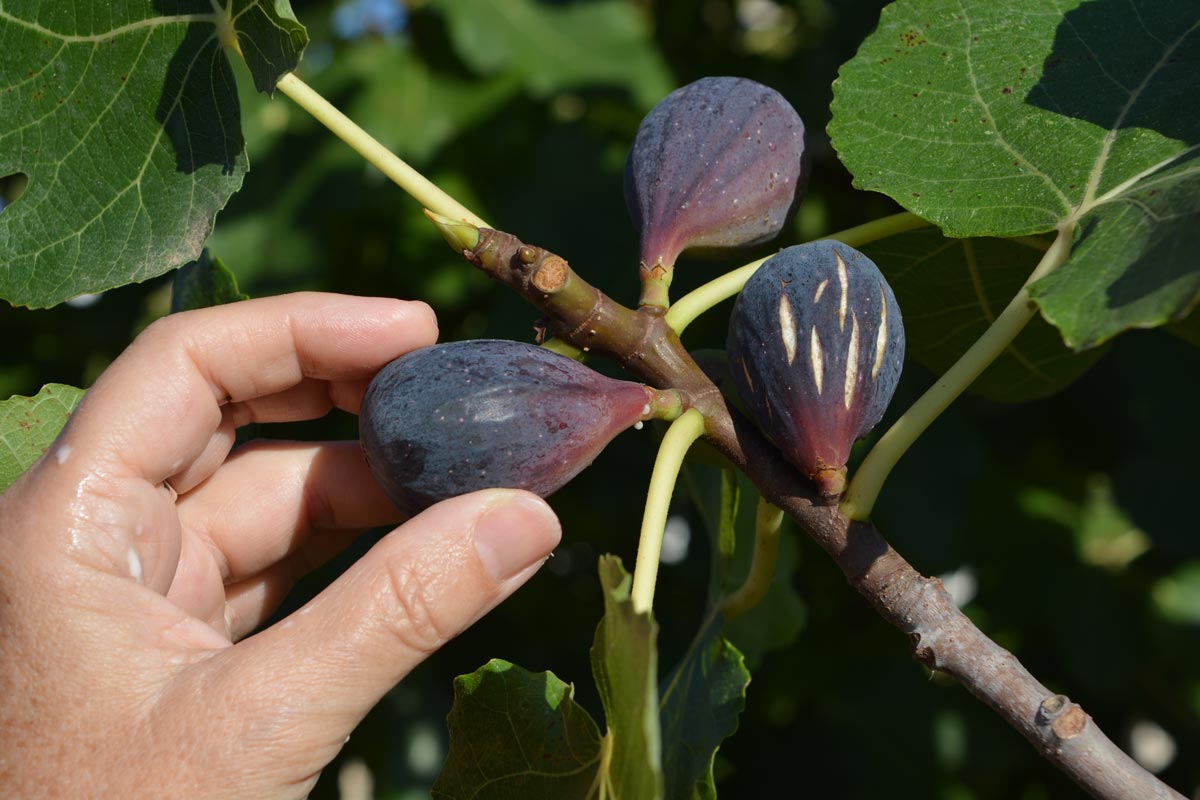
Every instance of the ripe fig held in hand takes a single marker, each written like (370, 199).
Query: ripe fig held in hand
(453, 418)
(816, 345)
(717, 164)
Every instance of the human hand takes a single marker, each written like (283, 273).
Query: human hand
(137, 550)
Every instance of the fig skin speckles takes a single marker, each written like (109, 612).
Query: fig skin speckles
(816, 346)
(454, 418)
(717, 164)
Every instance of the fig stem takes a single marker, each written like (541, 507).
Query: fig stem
(869, 478)
(420, 188)
(687, 308)
(461, 236)
(768, 521)
(678, 438)
(656, 286)
(665, 404)
(555, 345)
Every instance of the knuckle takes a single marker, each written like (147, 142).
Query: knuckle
(164, 328)
(409, 606)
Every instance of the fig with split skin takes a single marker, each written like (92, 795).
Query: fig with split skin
(717, 164)
(454, 418)
(816, 345)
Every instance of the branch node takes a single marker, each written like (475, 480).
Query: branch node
(923, 654)
(1065, 719)
(551, 275)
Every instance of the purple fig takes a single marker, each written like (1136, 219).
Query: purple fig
(453, 418)
(816, 345)
(716, 164)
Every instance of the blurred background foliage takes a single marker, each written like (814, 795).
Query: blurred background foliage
(1066, 526)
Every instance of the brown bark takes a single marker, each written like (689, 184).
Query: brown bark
(941, 636)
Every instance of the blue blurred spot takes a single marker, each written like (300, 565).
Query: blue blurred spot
(355, 19)
(3, 202)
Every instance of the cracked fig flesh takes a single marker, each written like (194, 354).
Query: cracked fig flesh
(454, 418)
(816, 345)
(716, 164)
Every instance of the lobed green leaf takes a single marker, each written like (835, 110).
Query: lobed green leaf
(1136, 263)
(553, 48)
(950, 291)
(28, 425)
(1008, 119)
(625, 666)
(701, 701)
(204, 282)
(124, 118)
(515, 733)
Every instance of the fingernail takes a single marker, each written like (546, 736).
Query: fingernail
(515, 533)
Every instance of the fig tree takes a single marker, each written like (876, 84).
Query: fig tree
(816, 345)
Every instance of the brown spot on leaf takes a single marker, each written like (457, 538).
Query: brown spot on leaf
(1006, 90)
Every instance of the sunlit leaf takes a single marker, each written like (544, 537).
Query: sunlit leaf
(124, 118)
(1178, 595)
(1006, 119)
(560, 46)
(29, 424)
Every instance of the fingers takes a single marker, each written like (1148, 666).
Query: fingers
(158, 405)
(271, 495)
(273, 502)
(417, 588)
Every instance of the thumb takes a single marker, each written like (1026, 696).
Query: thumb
(327, 664)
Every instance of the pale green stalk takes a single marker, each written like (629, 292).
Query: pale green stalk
(679, 437)
(564, 349)
(687, 308)
(864, 487)
(417, 185)
(768, 521)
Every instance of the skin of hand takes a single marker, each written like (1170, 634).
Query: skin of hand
(138, 550)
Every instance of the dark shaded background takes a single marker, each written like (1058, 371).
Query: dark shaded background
(1072, 515)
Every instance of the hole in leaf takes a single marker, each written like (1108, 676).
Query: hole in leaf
(11, 188)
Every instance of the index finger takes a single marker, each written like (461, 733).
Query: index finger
(156, 407)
